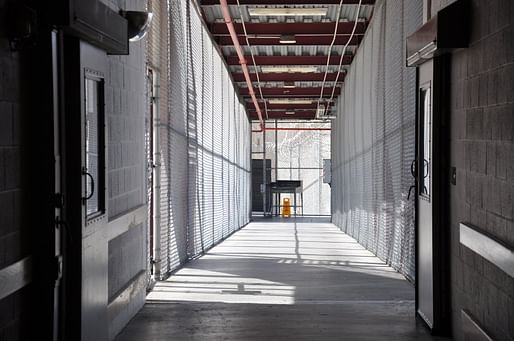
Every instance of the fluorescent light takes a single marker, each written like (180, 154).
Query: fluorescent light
(287, 12)
(289, 85)
(290, 69)
(290, 113)
(287, 39)
(290, 101)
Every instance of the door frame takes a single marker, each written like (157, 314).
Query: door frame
(439, 196)
(86, 237)
(154, 173)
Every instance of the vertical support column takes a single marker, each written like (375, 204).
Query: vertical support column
(277, 204)
(263, 189)
(276, 150)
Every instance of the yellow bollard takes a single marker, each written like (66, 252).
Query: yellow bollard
(286, 208)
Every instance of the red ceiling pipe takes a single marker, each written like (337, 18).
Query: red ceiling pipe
(242, 60)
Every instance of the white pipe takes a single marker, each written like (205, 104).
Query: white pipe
(330, 53)
(344, 51)
(156, 169)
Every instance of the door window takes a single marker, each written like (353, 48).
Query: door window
(425, 160)
(94, 146)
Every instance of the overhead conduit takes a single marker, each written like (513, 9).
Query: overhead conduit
(242, 61)
(325, 110)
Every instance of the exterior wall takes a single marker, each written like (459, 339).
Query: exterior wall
(482, 146)
(373, 139)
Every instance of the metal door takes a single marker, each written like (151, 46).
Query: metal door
(94, 198)
(86, 253)
(424, 194)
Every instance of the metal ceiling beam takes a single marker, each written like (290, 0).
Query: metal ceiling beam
(292, 60)
(312, 106)
(290, 28)
(294, 92)
(308, 40)
(290, 77)
(286, 2)
(283, 114)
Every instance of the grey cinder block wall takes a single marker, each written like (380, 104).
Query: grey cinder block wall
(482, 150)
(14, 227)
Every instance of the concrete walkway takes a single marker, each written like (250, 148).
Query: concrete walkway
(297, 280)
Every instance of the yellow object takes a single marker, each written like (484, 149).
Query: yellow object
(286, 208)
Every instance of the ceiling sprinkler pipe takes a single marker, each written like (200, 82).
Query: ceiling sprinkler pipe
(242, 60)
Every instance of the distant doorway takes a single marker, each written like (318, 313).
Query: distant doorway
(261, 195)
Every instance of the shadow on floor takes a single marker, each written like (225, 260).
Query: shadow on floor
(281, 281)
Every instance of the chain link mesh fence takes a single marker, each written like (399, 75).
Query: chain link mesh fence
(204, 138)
(373, 139)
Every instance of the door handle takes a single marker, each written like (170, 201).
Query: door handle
(425, 165)
(86, 173)
(413, 173)
(410, 189)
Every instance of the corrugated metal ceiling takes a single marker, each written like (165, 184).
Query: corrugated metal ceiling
(213, 14)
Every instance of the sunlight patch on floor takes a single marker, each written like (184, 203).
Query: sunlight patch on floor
(198, 285)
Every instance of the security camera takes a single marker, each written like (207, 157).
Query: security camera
(138, 23)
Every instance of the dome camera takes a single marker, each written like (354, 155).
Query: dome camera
(138, 23)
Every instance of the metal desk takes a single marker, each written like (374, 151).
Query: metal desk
(286, 186)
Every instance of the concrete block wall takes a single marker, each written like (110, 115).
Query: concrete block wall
(125, 110)
(14, 239)
(127, 257)
(482, 150)
(125, 100)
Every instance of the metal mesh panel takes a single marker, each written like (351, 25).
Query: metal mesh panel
(218, 151)
(174, 135)
(373, 139)
(205, 155)
(206, 143)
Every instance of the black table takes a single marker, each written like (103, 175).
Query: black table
(286, 186)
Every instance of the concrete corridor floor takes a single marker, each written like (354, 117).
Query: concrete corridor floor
(296, 280)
